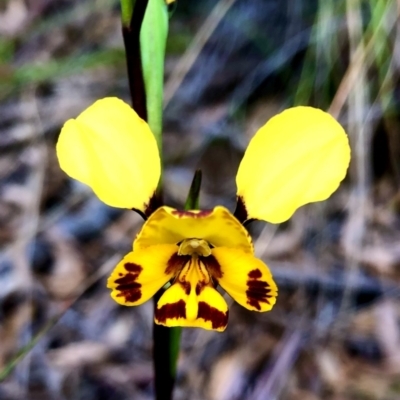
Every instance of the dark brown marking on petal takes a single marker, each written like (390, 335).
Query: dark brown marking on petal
(257, 291)
(200, 286)
(126, 279)
(152, 205)
(241, 211)
(127, 284)
(218, 318)
(176, 262)
(200, 214)
(170, 311)
(214, 282)
(212, 265)
(148, 208)
(129, 288)
(131, 292)
(255, 274)
(132, 267)
(186, 287)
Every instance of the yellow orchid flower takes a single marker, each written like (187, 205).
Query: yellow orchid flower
(298, 157)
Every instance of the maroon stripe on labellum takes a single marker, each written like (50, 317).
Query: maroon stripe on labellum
(212, 265)
(176, 262)
(127, 285)
(257, 291)
(170, 311)
(217, 318)
(186, 287)
(200, 286)
(200, 214)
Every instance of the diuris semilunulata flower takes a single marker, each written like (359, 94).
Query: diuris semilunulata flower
(298, 157)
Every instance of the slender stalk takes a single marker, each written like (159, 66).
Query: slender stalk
(145, 40)
(164, 356)
(131, 35)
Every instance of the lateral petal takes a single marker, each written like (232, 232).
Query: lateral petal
(298, 157)
(142, 273)
(109, 148)
(246, 278)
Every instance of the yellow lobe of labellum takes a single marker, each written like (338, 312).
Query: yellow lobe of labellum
(298, 157)
(208, 310)
(111, 149)
(192, 300)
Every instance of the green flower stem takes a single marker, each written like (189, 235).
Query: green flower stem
(127, 7)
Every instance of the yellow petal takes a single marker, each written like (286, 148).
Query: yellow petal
(112, 150)
(246, 278)
(298, 157)
(192, 301)
(142, 273)
(218, 227)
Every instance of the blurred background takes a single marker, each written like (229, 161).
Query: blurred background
(231, 65)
